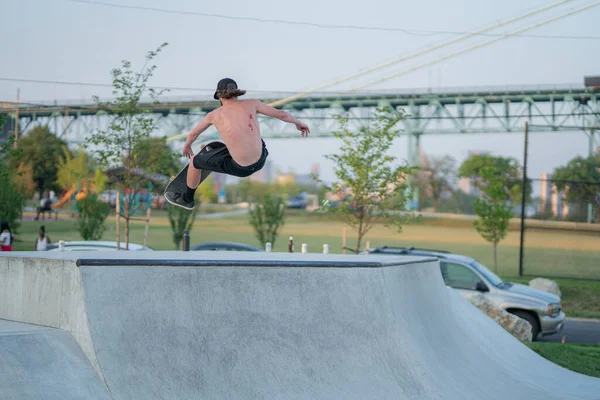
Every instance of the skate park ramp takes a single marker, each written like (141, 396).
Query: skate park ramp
(219, 325)
(44, 363)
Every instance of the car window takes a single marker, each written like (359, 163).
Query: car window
(458, 276)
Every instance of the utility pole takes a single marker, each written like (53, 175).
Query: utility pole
(523, 195)
(590, 207)
(17, 119)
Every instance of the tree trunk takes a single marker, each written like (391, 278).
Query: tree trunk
(496, 258)
(127, 210)
(126, 233)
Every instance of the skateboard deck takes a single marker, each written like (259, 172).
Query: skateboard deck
(178, 184)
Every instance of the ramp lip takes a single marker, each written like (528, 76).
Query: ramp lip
(158, 262)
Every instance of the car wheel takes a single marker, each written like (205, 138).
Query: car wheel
(532, 319)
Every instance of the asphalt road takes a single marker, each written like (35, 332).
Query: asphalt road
(577, 331)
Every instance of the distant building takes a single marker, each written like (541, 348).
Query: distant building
(551, 198)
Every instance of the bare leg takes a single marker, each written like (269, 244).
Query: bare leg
(194, 174)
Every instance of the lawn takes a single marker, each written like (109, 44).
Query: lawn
(548, 252)
(584, 359)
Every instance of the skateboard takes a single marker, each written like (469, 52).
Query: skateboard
(178, 184)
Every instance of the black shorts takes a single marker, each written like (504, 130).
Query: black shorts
(215, 157)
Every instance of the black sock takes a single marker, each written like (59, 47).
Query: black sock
(189, 194)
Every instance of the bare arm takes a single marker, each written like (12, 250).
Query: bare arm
(284, 116)
(194, 133)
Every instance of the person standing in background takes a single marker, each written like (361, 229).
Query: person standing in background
(42, 241)
(6, 237)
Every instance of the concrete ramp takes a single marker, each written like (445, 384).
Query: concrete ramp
(173, 325)
(44, 363)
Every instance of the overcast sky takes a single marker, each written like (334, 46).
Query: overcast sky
(63, 40)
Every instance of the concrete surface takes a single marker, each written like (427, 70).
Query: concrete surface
(44, 363)
(174, 325)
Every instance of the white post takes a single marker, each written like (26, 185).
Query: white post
(368, 247)
(61, 245)
(268, 247)
(304, 248)
(325, 249)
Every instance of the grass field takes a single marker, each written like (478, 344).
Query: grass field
(584, 359)
(548, 252)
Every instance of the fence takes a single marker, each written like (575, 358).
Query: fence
(558, 239)
(560, 227)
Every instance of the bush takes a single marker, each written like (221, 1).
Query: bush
(92, 214)
(181, 220)
(266, 217)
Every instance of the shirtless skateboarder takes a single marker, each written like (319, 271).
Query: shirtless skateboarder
(243, 152)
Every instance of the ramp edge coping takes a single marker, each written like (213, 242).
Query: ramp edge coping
(114, 262)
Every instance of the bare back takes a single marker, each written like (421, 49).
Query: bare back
(238, 126)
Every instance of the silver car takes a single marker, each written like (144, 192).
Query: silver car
(92, 245)
(541, 309)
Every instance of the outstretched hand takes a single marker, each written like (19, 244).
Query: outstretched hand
(187, 151)
(303, 128)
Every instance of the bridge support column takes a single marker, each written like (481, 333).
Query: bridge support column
(414, 159)
(592, 144)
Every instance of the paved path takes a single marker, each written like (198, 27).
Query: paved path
(223, 214)
(578, 331)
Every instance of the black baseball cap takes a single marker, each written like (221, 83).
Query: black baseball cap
(225, 84)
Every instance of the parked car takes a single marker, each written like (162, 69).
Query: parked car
(541, 309)
(224, 246)
(299, 201)
(91, 245)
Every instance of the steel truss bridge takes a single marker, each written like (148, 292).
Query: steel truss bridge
(445, 111)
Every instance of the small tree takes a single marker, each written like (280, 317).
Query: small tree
(92, 214)
(266, 217)
(367, 180)
(181, 220)
(131, 125)
(493, 210)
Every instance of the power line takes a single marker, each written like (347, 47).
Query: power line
(413, 32)
(419, 53)
(475, 47)
(73, 83)
(174, 88)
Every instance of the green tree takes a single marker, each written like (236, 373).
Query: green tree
(73, 169)
(508, 169)
(580, 179)
(155, 152)
(181, 220)
(436, 178)
(366, 176)
(43, 151)
(91, 217)
(130, 127)
(11, 199)
(493, 209)
(266, 217)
